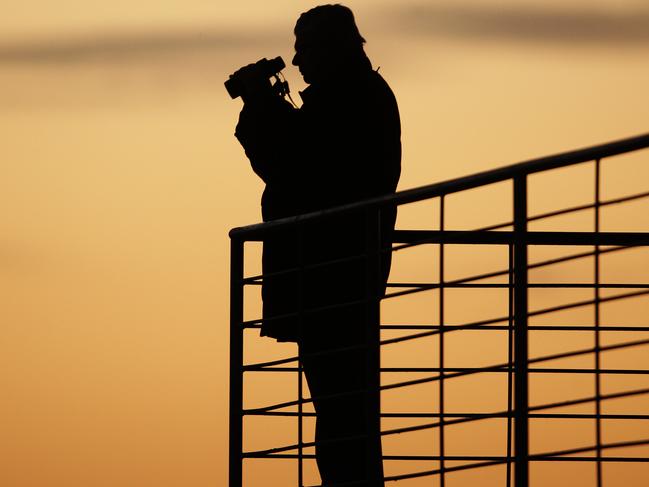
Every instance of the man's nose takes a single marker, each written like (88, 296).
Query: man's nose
(294, 62)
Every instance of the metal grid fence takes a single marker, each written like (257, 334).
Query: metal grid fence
(520, 366)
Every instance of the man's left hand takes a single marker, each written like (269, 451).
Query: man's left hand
(255, 85)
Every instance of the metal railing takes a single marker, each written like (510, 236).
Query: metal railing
(517, 323)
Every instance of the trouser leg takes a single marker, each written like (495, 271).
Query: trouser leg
(346, 450)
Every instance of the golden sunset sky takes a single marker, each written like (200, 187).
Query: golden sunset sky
(120, 178)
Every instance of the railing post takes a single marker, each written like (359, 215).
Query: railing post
(236, 362)
(598, 357)
(521, 427)
(442, 436)
(300, 364)
(373, 346)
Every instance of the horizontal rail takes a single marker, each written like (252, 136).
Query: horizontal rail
(545, 358)
(395, 431)
(258, 279)
(502, 460)
(506, 366)
(531, 238)
(615, 346)
(575, 285)
(500, 415)
(422, 287)
(270, 410)
(456, 458)
(505, 460)
(490, 321)
(572, 209)
(530, 327)
(411, 370)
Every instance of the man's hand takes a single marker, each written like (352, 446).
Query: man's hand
(255, 85)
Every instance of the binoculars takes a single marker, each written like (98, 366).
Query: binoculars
(266, 68)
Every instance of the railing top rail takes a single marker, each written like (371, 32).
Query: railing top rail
(459, 184)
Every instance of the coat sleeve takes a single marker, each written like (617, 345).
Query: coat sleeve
(264, 130)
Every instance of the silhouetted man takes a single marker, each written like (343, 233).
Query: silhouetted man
(342, 146)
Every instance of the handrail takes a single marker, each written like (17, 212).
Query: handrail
(455, 185)
(515, 285)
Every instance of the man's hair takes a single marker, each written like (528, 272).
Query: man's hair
(331, 25)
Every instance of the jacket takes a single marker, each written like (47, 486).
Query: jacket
(342, 146)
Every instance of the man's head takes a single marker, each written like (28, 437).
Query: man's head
(326, 42)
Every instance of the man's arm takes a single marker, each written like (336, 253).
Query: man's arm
(264, 128)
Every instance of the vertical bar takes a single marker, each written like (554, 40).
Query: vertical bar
(521, 426)
(300, 427)
(372, 345)
(442, 464)
(300, 329)
(510, 363)
(598, 382)
(236, 362)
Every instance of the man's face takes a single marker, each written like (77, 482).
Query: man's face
(309, 59)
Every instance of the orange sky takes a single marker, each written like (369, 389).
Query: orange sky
(121, 177)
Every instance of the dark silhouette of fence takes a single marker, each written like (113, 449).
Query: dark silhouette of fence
(519, 367)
